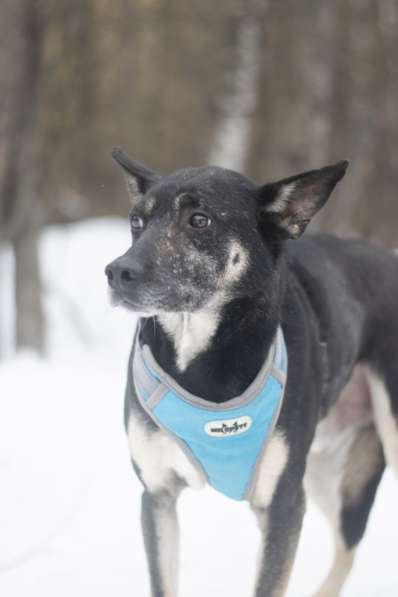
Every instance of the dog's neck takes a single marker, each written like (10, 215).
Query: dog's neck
(191, 333)
(214, 353)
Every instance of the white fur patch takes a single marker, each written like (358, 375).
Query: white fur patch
(132, 188)
(333, 441)
(281, 201)
(270, 470)
(191, 332)
(341, 568)
(158, 456)
(149, 205)
(238, 260)
(178, 200)
(385, 421)
(168, 548)
(325, 467)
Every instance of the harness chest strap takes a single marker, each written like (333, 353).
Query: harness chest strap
(224, 442)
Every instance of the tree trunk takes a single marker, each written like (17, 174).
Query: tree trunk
(230, 144)
(30, 320)
(21, 214)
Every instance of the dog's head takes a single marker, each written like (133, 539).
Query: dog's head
(203, 236)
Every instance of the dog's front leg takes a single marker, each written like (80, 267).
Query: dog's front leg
(161, 539)
(280, 525)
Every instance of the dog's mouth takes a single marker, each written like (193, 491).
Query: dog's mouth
(150, 297)
(119, 300)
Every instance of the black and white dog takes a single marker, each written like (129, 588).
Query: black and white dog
(215, 271)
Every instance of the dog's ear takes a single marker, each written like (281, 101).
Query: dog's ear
(287, 206)
(138, 178)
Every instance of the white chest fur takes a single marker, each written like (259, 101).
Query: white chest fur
(190, 332)
(159, 457)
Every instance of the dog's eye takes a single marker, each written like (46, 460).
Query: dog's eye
(199, 221)
(136, 222)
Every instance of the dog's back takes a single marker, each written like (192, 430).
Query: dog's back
(353, 287)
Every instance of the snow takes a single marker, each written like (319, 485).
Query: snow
(69, 515)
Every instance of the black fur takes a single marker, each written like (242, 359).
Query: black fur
(354, 517)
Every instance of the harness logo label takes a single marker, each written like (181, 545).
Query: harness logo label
(228, 427)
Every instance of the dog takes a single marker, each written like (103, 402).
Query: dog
(238, 313)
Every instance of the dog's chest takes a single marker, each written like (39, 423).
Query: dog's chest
(162, 461)
(159, 457)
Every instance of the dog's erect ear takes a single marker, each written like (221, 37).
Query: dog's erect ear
(138, 178)
(288, 205)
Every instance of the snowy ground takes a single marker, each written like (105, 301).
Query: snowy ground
(69, 515)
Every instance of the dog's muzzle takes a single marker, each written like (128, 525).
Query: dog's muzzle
(122, 273)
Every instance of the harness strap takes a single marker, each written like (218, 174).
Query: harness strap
(225, 441)
(148, 376)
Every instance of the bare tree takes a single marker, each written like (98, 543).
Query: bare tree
(21, 214)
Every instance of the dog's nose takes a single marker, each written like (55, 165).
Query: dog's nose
(120, 273)
(109, 273)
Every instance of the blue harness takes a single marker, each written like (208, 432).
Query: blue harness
(224, 441)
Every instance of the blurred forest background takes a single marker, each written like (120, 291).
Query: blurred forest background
(264, 86)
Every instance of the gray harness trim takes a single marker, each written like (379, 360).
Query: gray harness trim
(269, 367)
